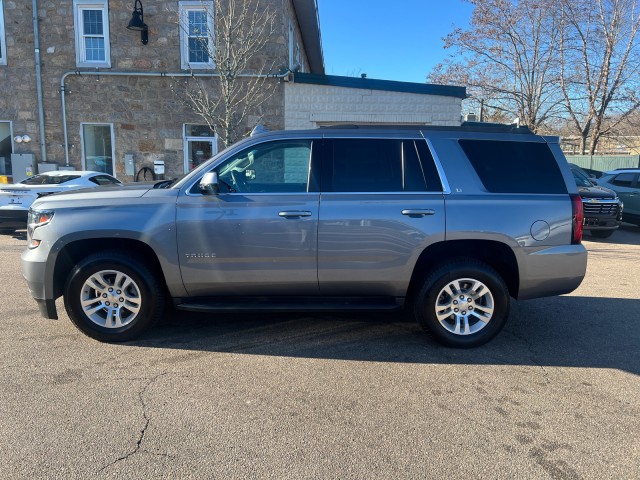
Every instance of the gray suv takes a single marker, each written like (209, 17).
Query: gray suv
(444, 223)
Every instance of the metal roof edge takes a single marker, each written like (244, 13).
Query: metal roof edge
(385, 85)
(309, 22)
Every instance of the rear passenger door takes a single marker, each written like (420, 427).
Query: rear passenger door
(381, 204)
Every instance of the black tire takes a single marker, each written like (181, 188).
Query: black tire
(458, 276)
(141, 297)
(601, 233)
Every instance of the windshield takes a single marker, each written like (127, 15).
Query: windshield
(581, 179)
(48, 179)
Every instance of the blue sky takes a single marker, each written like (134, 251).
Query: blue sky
(388, 39)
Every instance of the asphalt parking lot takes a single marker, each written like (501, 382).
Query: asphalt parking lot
(555, 395)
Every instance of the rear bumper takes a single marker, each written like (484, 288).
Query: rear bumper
(16, 217)
(551, 271)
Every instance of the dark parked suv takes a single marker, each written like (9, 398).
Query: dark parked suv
(602, 207)
(445, 223)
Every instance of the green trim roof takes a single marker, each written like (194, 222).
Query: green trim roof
(385, 85)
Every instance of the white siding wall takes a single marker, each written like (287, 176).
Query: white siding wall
(307, 106)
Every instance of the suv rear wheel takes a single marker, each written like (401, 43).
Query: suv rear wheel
(463, 303)
(112, 297)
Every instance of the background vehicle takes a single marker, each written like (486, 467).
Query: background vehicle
(15, 199)
(588, 172)
(602, 207)
(446, 223)
(626, 183)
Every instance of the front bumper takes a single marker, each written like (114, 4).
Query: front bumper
(595, 223)
(34, 268)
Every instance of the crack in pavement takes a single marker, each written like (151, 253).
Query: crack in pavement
(143, 431)
(532, 354)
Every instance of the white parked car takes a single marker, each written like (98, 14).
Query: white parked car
(16, 198)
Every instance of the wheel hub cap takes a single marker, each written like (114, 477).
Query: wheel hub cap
(464, 306)
(110, 299)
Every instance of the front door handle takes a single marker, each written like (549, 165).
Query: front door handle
(294, 214)
(418, 212)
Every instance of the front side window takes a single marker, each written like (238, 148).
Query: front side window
(196, 34)
(273, 167)
(92, 33)
(97, 147)
(3, 44)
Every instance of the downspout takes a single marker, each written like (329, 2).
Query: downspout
(36, 46)
(284, 75)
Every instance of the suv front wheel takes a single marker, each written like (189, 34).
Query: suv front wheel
(112, 297)
(463, 303)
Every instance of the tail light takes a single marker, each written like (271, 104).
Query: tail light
(578, 219)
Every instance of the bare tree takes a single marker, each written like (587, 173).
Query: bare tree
(230, 100)
(600, 62)
(508, 60)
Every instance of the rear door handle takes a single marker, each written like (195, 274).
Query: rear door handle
(418, 213)
(294, 214)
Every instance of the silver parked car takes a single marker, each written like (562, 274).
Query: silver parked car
(445, 223)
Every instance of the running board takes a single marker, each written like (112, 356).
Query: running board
(291, 305)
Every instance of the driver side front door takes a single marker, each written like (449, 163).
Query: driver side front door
(258, 236)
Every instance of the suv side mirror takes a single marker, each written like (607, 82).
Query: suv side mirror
(209, 184)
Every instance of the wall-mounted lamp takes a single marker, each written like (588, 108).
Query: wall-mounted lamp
(137, 22)
(22, 138)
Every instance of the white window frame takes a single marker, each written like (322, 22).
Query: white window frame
(196, 138)
(81, 54)
(113, 146)
(186, 6)
(3, 40)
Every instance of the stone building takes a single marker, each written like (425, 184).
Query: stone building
(102, 99)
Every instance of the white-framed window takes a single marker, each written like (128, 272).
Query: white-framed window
(3, 43)
(98, 147)
(91, 22)
(196, 34)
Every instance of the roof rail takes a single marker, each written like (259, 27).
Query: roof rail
(465, 126)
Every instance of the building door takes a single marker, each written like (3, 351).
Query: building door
(200, 144)
(97, 147)
(6, 148)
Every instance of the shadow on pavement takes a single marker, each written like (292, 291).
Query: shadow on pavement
(557, 331)
(627, 234)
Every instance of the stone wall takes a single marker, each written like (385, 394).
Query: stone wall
(147, 118)
(310, 106)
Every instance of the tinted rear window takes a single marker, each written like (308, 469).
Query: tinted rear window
(514, 167)
(49, 179)
(379, 165)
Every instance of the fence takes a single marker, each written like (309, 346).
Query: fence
(604, 163)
